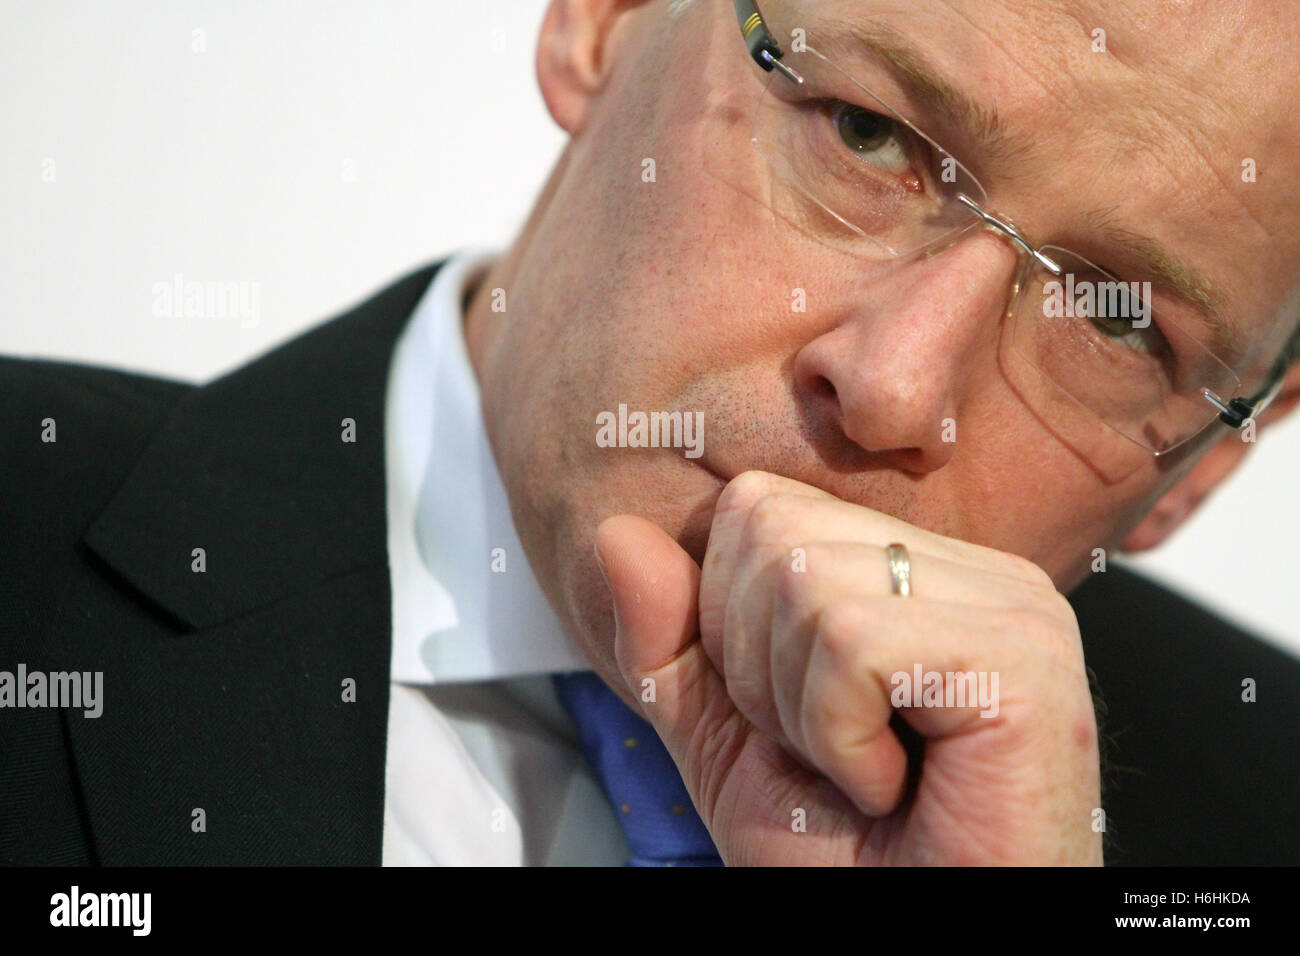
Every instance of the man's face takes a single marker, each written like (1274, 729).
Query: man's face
(676, 294)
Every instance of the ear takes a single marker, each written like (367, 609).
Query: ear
(1182, 500)
(574, 55)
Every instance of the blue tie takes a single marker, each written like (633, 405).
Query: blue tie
(640, 779)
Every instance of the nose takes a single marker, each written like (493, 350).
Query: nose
(893, 374)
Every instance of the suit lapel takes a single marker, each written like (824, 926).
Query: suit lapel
(229, 691)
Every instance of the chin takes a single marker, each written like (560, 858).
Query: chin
(678, 494)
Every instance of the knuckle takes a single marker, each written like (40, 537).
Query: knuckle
(818, 576)
(1059, 610)
(1048, 633)
(1030, 571)
(768, 519)
(821, 559)
(743, 491)
(1029, 620)
(826, 722)
(840, 633)
(816, 730)
(750, 695)
(791, 585)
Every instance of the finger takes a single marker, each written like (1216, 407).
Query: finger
(770, 586)
(841, 726)
(730, 516)
(868, 657)
(654, 586)
(785, 516)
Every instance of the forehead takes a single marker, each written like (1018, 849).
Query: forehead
(1131, 117)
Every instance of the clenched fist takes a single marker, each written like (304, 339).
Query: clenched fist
(777, 668)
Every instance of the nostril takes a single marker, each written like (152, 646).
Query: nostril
(824, 387)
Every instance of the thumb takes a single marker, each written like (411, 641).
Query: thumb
(655, 586)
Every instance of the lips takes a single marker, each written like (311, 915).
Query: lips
(721, 480)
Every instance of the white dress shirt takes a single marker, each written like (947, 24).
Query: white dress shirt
(483, 765)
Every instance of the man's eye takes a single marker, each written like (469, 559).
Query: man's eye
(877, 139)
(1127, 333)
(1115, 326)
(1122, 318)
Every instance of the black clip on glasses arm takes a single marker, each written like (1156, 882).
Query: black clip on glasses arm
(1235, 412)
(766, 52)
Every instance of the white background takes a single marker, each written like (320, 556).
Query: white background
(320, 150)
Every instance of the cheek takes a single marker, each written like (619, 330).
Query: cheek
(1044, 504)
(1021, 490)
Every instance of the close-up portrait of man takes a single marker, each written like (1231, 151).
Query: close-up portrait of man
(772, 489)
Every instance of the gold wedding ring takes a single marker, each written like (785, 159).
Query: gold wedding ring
(900, 569)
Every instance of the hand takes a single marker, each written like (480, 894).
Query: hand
(772, 686)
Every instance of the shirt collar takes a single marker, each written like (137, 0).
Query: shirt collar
(466, 605)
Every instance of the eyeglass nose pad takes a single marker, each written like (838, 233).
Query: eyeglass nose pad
(1007, 227)
(1004, 226)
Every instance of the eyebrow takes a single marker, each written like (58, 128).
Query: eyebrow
(925, 82)
(1227, 341)
(983, 122)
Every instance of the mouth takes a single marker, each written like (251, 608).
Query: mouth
(719, 479)
(694, 535)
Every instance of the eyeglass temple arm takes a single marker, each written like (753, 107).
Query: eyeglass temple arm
(766, 52)
(1235, 412)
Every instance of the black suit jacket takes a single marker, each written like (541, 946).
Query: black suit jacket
(223, 690)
